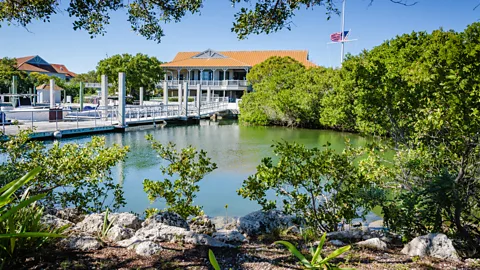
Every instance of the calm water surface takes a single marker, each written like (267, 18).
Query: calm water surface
(236, 149)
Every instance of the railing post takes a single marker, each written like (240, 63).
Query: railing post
(121, 99)
(32, 120)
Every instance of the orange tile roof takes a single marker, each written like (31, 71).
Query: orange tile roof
(235, 59)
(63, 69)
(51, 68)
(36, 68)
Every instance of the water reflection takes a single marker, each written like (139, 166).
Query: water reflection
(236, 149)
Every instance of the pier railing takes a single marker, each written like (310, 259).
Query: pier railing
(49, 120)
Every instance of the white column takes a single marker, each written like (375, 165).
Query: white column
(180, 107)
(178, 75)
(122, 91)
(52, 94)
(141, 96)
(199, 95)
(104, 92)
(185, 97)
(208, 94)
(165, 93)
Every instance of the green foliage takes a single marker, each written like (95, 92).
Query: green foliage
(317, 261)
(147, 16)
(175, 99)
(319, 186)
(20, 226)
(106, 225)
(140, 69)
(285, 93)
(8, 69)
(423, 90)
(76, 175)
(190, 166)
(213, 260)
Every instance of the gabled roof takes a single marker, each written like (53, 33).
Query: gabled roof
(47, 87)
(63, 69)
(37, 64)
(233, 58)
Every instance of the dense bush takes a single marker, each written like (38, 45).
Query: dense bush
(286, 93)
(419, 91)
(77, 175)
(320, 186)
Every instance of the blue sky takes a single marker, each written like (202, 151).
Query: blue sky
(57, 42)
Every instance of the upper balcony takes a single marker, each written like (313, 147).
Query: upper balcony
(214, 84)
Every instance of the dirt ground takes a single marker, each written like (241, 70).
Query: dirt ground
(248, 256)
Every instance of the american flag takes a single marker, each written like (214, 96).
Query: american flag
(337, 37)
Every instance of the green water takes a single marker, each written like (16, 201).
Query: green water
(236, 149)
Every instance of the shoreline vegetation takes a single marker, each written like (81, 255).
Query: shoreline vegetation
(420, 89)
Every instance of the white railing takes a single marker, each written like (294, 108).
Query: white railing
(47, 120)
(194, 83)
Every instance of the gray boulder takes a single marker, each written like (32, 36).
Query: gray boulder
(81, 242)
(147, 248)
(261, 222)
(337, 243)
(159, 232)
(127, 220)
(373, 244)
(53, 221)
(202, 224)
(118, 233)
(167, 218)
(229, 236)
(92, 223)
(203, 240)
(433, 244)
(71, 214)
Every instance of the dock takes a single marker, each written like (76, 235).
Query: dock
(106, 119)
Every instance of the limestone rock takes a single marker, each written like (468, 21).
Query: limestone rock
(203, 240)
(92, 223)
(337, 243)
(53, 221)
(260, 222)
(167, 218)
(71, 214)
(127, 220)
(229, 236)
(360, 234)
(202, 224)
(129, 243)
(147, 248)
(161, 233)
(433, 244)
(373, 244)
(81, 242)
(118, 233)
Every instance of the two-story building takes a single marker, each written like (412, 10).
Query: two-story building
(37, 64)
(223, 72)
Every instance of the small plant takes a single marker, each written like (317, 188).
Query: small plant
(106, 225)
(226, 213)
(213, 260)
(20, 225)
(188, 166)
(317, 262)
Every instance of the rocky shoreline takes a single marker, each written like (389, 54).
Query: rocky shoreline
(153, 236)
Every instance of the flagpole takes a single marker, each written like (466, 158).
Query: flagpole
(343, 32)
